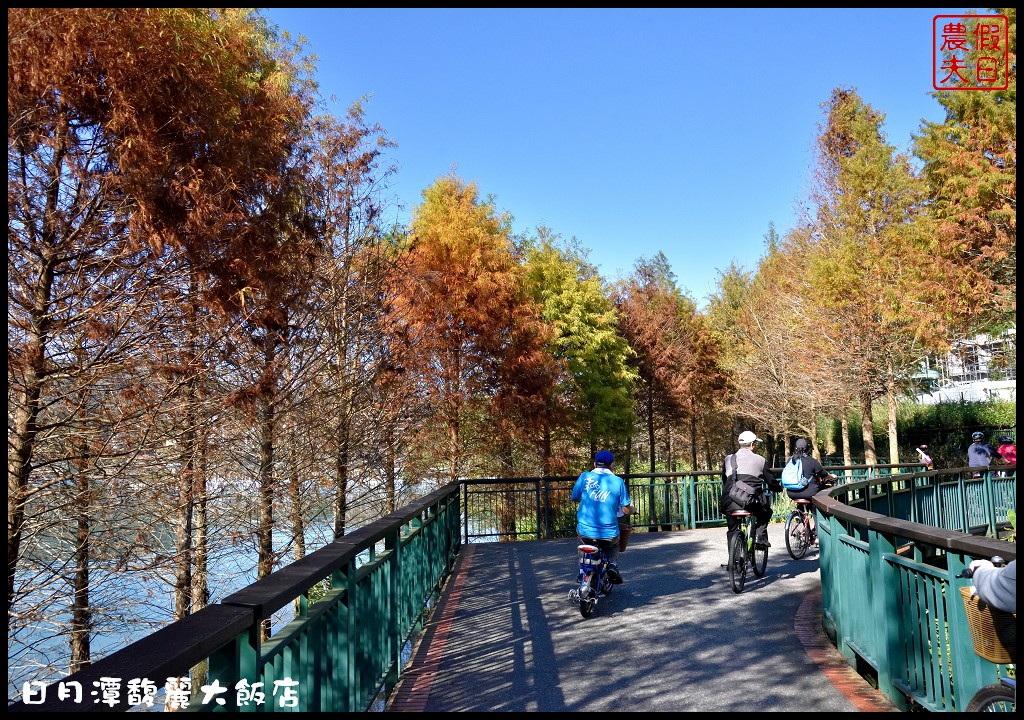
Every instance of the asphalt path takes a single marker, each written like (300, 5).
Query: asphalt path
(504, 637)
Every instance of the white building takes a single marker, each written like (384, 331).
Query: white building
(982, 368)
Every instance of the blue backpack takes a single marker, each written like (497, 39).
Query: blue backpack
(793, 475)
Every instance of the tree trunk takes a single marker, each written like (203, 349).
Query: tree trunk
(298, 521)
(652, 504)
(265, 491)
(890, 400)
(390, 468)
(650, 425)
(507, 497)
(200, 549)
(341, 436)
(183, 531)
(868, 430)
(844, 423)
(81, 613)
(22, 439)
(629, 454)
(813, 436)
(545, 460)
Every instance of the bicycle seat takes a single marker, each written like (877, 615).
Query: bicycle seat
(802, 502)
(587, 548)
(739, 513)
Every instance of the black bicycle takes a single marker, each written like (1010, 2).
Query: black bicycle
(744, 551)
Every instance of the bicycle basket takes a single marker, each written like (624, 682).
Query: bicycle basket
(994, 631)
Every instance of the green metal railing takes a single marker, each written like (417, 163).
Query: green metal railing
(890, 551)
(341, 651)
(361, 599)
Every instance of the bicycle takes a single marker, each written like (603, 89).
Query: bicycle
(593, 580)
(801, 529)
(743, 550)
(999, 696)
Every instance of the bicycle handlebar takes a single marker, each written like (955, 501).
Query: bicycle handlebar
(997, 561)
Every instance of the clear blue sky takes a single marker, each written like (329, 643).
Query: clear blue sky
(684, 131)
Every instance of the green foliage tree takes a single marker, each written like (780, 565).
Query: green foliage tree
(869, 253)
(598, 383)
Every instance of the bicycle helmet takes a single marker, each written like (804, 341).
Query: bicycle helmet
(1006, 439)
(604, 458)
(978, 436)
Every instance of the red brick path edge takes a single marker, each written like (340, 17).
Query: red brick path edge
(413, 689)
(843, 676)
(414, 686)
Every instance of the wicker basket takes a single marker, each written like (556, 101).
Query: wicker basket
(994, 631)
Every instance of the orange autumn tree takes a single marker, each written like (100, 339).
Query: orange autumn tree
(137, 141)
(970, 166)
(474, 339)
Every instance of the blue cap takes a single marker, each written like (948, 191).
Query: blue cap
(604, 458)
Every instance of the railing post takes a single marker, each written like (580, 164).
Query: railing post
(990, 506)
(885, 607)
(237, 661)
(536, 498)
(465, 512)
(393, 542)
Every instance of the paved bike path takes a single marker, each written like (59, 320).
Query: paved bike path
(674, 637)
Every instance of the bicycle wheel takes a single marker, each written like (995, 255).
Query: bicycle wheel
(738, 561)
(797, 537)
(606, 583)
(994, 698)
(588, 595)
(759, 560)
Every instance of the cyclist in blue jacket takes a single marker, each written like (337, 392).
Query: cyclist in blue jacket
(601, 495)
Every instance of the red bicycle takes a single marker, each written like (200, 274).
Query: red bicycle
(801, 530)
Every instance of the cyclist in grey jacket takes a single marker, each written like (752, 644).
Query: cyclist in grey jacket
(996, 585)
(751, 471)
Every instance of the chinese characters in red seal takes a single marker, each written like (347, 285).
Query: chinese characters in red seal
(970, 52)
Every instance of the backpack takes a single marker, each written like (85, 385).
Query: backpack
(793, 475)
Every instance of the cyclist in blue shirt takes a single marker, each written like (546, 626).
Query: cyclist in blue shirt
(601, 495)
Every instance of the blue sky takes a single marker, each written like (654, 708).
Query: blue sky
(684, 131)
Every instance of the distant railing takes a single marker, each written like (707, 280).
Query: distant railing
(506, 509)
(890, 551)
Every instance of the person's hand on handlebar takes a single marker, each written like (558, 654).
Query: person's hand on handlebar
(975, 564)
